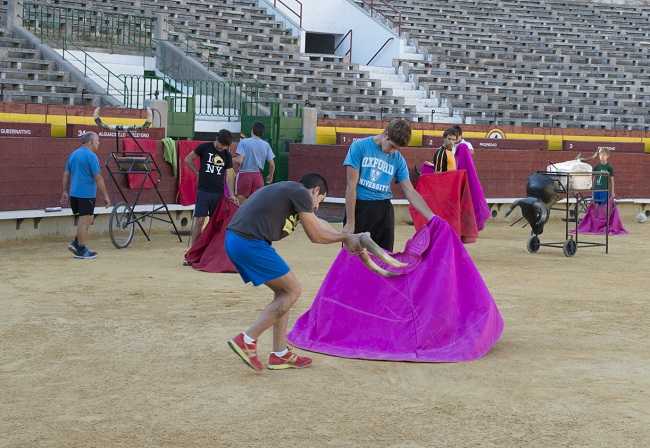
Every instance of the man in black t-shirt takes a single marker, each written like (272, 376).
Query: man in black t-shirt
(216, 168)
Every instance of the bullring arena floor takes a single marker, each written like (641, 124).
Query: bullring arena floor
(129, 351)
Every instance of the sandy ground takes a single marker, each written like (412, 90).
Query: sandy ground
(129, 351)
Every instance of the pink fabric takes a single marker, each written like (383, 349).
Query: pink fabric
(449, 197)
(464, 161)
(149, 146)
(427, 169)
(208, 252)
(595, 220)
(438, 309)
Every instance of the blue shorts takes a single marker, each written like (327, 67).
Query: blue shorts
(600, 197)
(256, 260)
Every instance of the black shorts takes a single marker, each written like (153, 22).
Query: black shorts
(206, 203)
(82, 206)
(378, 218)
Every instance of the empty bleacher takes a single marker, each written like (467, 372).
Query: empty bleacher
(239, 40)
(26, 77)
(549, 62)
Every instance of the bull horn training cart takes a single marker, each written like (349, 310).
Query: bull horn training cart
(124, 216)
(568, 187)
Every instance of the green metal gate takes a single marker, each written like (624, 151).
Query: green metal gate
(181, 117)
(280, 133)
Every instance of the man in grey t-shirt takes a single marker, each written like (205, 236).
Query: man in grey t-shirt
(254, 153)
(271, 214)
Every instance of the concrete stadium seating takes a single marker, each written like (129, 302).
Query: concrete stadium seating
(239, 40)
(28, 78)
(549, 62)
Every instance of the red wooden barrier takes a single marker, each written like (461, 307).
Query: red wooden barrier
(592, 147)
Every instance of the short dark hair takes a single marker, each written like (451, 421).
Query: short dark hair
(398, 131)
(450, 131)
(87, 137)
(459, 129)
(313, 180)
(224, 137)
(258, 129)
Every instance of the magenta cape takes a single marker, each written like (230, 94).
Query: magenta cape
(438, 310)
(464, 161)
(595, 220)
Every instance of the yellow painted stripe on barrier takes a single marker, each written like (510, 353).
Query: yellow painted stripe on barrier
(22, 118)
(646, 142)
(59, 122)
(326, 135)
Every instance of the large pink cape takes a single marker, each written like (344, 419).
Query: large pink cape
(437, 310)
(464, 161)
(595, 220)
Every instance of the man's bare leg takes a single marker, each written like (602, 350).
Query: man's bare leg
(241, 199)
(197, 227)
(82, 229)
(286, 291)
(280, 333)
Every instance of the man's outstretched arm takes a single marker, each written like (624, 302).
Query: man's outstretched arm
(416, 200)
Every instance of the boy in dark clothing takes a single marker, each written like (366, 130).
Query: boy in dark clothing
(216, 169)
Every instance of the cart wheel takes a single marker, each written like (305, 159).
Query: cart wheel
(569, 248)
(533, 244)
(121, 225)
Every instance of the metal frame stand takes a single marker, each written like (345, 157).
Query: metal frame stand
(563, 186)
(142, 162)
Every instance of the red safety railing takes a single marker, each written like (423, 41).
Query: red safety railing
(373, 4)
(297, 4)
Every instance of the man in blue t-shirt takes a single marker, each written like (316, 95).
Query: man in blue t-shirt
(371, 165)
(253, 153)
(81, 178)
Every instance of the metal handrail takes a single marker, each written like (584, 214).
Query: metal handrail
(297, 13)
(87, 26)
(349, 52)
(380, 49)
(371, 3)
(212, 97)
(124, 92)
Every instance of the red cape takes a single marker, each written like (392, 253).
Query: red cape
(208, 253)
(149, 146)
(449, 196)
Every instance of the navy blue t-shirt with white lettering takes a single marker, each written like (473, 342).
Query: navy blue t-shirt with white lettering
(377, 169)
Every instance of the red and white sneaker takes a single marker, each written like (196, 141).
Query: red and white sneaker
(247, 352)
(288, 361)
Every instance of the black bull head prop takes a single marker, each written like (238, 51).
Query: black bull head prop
(535, 209)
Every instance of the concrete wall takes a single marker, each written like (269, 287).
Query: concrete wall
(338, 17)
(31, 170)
(65, 226)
